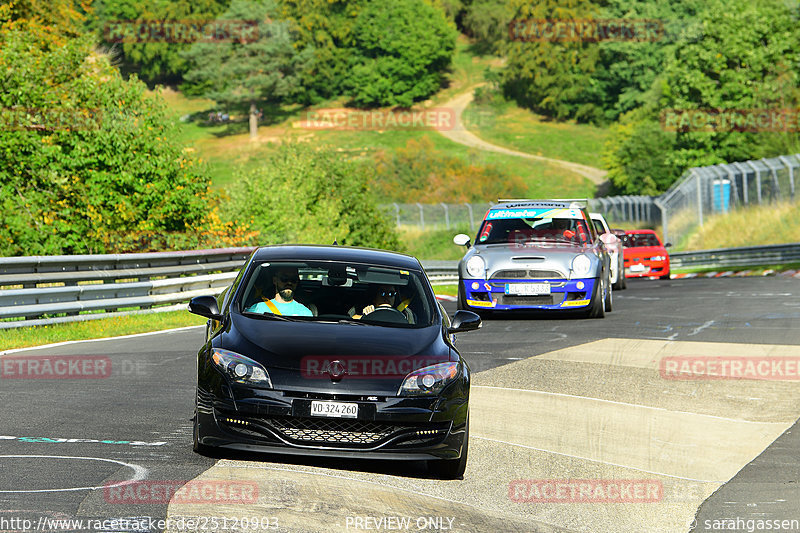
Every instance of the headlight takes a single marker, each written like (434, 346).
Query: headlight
(581, 266)
(429, 380)
(476, 267)
(240, 369)
(657, 258)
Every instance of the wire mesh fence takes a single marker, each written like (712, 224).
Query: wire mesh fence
(705, 191)
(700, 193)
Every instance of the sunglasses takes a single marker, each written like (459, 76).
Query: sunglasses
(388, 294)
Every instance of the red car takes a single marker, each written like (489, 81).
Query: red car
(644, 255)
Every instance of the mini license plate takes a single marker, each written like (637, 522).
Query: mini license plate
(334, 409)
(639, 267)
(527, 289)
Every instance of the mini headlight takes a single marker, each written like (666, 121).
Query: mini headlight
(240, 369)
(581, 265)
(476, 267)
(429, 380)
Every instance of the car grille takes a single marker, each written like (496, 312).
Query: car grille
(527, 274)
(546, 299)
(331, 431)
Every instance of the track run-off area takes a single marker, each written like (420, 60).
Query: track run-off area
(676, 412)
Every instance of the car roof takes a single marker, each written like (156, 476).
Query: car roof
(639, 231)
(308, 252)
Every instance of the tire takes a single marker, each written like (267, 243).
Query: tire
(596, 305)
(452, 468)
(462, 300)
(665, 276)
(608, 301)
(197, 447)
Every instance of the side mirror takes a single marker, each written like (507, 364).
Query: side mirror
(205, 306)
(668, 245)
(462, 239)
(464, 321)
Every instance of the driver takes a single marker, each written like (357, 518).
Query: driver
(384, 296)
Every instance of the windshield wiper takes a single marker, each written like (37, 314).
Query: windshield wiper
(270, 316)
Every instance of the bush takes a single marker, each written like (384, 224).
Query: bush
(90, 164)
(420, 173)
(303, 195)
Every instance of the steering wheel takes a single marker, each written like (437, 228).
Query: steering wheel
(388, 314)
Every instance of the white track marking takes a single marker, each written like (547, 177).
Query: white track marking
(65, 343)
(139, 473)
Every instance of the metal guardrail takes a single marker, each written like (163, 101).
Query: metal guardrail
(34, 288)
(775, 254)
(103, 284)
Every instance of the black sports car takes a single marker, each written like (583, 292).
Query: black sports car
(334, 351)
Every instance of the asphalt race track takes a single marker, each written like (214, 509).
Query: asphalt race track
(576, 425)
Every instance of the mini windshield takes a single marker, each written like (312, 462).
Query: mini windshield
(639, 240)
(338, 291)
(530, 231)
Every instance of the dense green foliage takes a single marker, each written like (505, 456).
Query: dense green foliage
(746, 58)
(401, 50)
(153, 58)
(259, 70)
(305, 195)
(88, 160)
(420, 173)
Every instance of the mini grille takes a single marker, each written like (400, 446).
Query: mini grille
(527, 300)
(527, 274)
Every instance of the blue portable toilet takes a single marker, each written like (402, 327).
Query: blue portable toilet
(722, 195)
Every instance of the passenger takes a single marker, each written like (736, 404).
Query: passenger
(285, 280)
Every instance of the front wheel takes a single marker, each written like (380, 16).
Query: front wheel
(596, 305)
(608, 301)
(452, 468)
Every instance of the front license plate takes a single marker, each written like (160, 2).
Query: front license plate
(334, 409)
(527, 289)
(638, 268)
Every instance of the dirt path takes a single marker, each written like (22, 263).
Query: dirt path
(460, 134)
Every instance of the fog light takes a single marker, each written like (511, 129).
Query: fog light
(580, 285)
(475, 285)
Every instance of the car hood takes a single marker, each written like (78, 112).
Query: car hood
(297, 354)
(645, 251)
(546, 257)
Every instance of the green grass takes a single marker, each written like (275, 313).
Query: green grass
(433, 245)
(95, 329)
(520, 129)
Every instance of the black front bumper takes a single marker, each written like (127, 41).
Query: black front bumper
(386, 427)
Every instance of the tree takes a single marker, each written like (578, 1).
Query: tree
(402, 50)
(305, 195)
(90, 163)
(153, 57)
(261, 70)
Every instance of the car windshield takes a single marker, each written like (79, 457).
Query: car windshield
(639, 240)
(338, 291)
(529, 231)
